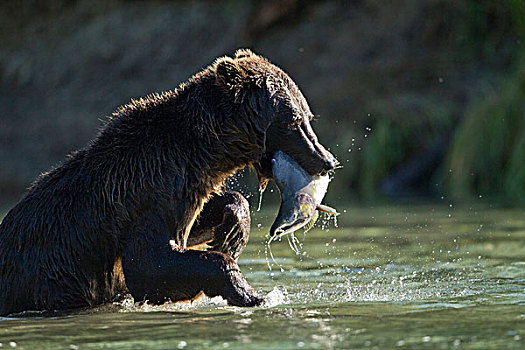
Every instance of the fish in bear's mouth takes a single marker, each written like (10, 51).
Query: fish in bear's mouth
(301, 196)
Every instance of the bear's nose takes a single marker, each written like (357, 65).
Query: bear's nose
(330, 164)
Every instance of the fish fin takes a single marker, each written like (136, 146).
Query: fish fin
(327, 209)
(311, 223)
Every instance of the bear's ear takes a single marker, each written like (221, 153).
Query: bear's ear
(243, 53)
(229, 74)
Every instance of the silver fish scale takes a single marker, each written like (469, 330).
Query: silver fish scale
(295, 183)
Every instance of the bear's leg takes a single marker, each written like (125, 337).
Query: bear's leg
(156, 271)
(223, 224)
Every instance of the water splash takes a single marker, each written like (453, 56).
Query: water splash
(202, 302)
(267, 250)
(335, 221)
(294, 244)
(278, 296)
(261, 191)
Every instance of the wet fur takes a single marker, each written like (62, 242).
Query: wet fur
(61, 245)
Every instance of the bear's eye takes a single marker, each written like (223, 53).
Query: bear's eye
(296, 120)
(294, 123)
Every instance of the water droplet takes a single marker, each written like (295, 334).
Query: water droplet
(260, 199)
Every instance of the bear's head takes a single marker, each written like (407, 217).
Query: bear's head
(268, 97)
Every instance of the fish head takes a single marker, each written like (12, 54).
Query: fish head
(301, 195)
(295, 212)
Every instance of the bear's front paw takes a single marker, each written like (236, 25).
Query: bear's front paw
(239, 293)
(256, 301)
(221, 275)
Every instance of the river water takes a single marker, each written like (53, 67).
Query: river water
(422, 277)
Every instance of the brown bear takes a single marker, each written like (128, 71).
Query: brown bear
(121, 214)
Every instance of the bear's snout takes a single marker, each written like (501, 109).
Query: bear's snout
(330, 164)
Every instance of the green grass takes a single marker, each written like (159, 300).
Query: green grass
(488, 151)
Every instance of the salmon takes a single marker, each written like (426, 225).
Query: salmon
(301, 196)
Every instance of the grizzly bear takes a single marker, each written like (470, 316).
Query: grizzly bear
(121, 215)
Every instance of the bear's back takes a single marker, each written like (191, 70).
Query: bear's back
(54, 251)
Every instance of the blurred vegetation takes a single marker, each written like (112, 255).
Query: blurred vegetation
(396, 138)
(487, 157)
(417, 98)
